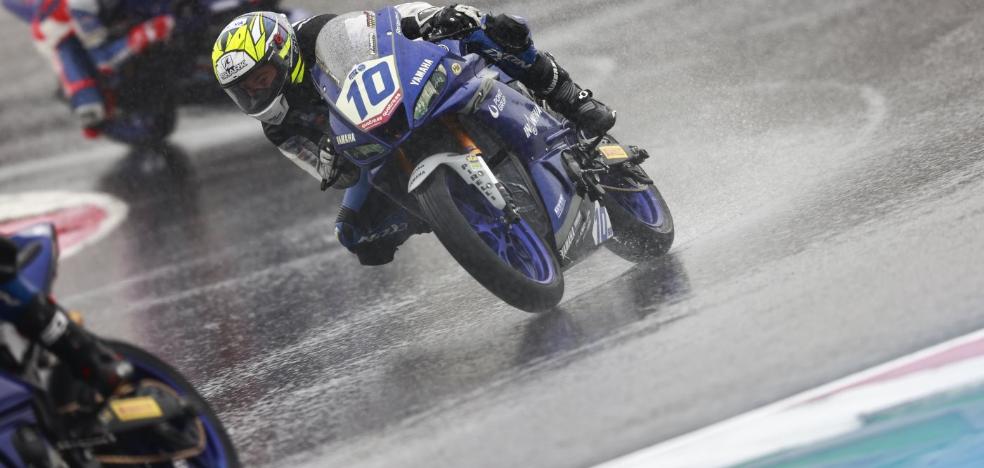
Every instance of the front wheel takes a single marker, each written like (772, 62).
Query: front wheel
(642, 222)
(219, 451)
(510, 260)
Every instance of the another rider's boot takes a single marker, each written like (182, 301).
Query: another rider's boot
(552, 83)
(83, 353)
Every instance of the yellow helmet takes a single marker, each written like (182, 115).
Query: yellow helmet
(254, 57)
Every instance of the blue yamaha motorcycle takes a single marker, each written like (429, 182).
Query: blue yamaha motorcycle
(510, 188)
(158, 419)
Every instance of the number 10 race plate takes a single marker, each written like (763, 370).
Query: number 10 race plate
(371, 93)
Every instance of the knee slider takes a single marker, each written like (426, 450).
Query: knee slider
(510, 32)
(345, 229)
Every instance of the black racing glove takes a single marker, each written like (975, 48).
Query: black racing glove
(452, 22)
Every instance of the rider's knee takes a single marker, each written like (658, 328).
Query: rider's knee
(372, 248)
(370, 252)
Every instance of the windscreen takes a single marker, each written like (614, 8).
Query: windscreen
(347, 41)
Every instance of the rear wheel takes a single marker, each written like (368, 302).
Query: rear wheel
(642, 222)
(510, 260)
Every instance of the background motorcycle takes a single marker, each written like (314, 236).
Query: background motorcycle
(149, 89)
(507, 185)
(143, 95)
(158, 419)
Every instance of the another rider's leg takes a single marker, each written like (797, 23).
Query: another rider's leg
(540, 73)
(38, 319)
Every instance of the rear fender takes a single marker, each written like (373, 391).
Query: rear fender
(472, 169)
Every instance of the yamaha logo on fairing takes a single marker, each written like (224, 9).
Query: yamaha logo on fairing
(498, 104)
(533, 121)
(419, 75)
(345, 139)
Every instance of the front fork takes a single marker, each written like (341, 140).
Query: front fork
(471, 167)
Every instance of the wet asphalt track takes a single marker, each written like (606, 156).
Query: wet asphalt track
(822, 159)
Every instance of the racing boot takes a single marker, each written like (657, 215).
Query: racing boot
(83, 353)
(552, 83)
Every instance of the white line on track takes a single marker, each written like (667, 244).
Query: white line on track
(787, 422)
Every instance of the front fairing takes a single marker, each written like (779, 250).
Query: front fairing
(411, 63)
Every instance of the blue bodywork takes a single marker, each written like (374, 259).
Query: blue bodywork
(481, 92)
(39, 253)
(38, 256)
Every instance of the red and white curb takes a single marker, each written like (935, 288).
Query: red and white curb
(821, 413)
(80, 218)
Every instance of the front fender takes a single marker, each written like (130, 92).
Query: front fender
(472, 168)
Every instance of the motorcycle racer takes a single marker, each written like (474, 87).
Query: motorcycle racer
(86, 41)
(261, 60)
(111, 33)
(54, 37)
(89, 42)
(38, 318)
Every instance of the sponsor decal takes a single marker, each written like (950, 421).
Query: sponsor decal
(389, 231)
(418, 76)
(345, 139)
(559, 208)
(385, 116)
(373, 44)
(498, 104)
(234, 65)
(603, 226)
(475, 168)
(416, 176)
(576, 232)
(455, 66)
(370, 19)
(356, 70)
(80, 218)
(500, 56)
(533, 121)
(475, 163)
(236, 24)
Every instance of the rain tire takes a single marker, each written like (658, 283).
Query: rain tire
(634, 240)
(151, 364)
(471, 252)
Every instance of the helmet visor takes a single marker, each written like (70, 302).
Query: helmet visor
(260, 87)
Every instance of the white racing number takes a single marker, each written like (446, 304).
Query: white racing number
(371, 93)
